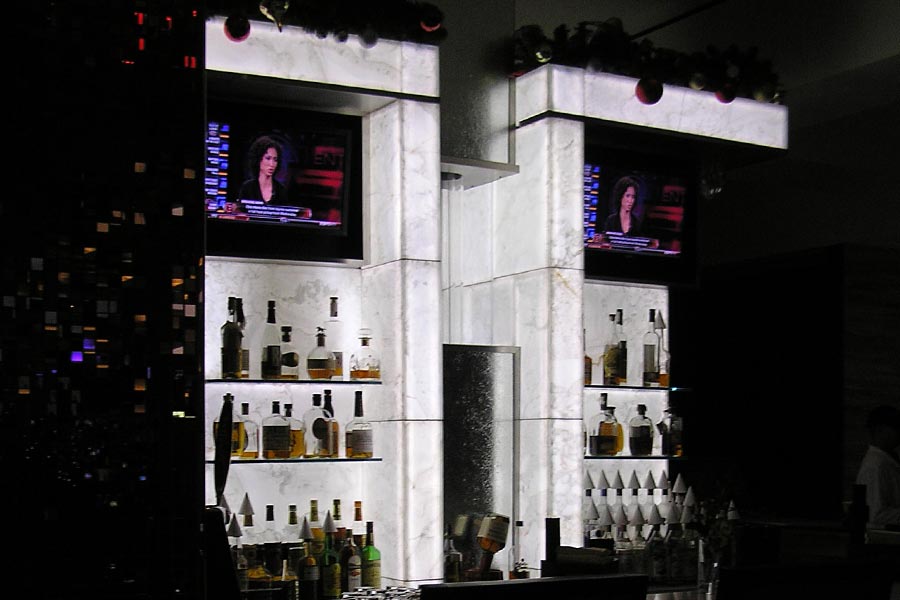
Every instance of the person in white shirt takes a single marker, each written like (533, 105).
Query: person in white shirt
(879, 470)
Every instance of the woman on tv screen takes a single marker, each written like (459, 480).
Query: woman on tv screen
(262, 162)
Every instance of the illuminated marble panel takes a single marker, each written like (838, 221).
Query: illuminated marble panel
(581, 92)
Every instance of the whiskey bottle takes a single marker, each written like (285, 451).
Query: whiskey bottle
(317, 542)
(351, 564)
(670, 432)
(640, 433)
(334, 428)
(609, 442)
(250, 448)
(232, 336)
(334, 328)
(320, 360)
(622, 354)
(359, 526)
(317, 429)
(651, 353)
(258, 577)
(588, 363)
(340, 533)
(242, 323)
(359, 440)
(276, 434)
(371, 559)
(298, 432)
(290, 359)
(271, 346)
(611, 353)
(593, 429)
(365, 362)
(309, 566)
(331, 562)
(238, 434)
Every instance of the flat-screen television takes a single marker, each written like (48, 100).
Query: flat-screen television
(282, 183)
(639, 216)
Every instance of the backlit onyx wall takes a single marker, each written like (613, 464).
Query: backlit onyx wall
(100, 318)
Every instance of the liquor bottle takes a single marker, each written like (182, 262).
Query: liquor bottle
(276, 434)
(258, 576)
(622, 355)
(232, 336)
(238, 434)
(242, 323)
(609, 433)
(593, 428)
(359, 440)
(309, 566)
(651, 353)
(351, 564)
(290, 358)
(640, 433)
(250, 447)
(334, 328)
(320, 360)
(240, 566)
(317, 543)
(331, 562)
(671, 430)
(359, 526)
(340, 533)
(334, 428)
(452, 559)
(317, 429)
(660, 327)
(588, 363)
(271, 346)
(289, 579)
(365, 362)
(371, 559)
(610, 353)
(298, 432)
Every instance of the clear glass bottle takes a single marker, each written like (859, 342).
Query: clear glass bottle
(593, 428)
(317, 429)
(238, 433)
(610, 433)
(371, 559)
(331, 561)
(359, 439)
(640, 433)
(359, 526)
(270, 360)
(290, 358)
(351, 564)
(610, 353)
(651, 353)
(276, 434)
(232, 337)
(298, 432)
(452, 559)
(365, 362)
(251, 433)
(334, 428)
(334, 329)
(320, 360)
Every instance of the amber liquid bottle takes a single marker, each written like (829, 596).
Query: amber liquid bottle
(320, 360)
(371, 559)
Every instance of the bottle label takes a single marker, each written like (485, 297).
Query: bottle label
(277, 441)
(354, 573)
(311, 572)
(363, 442)
(371, 573)
(331, 581)
(271, 362)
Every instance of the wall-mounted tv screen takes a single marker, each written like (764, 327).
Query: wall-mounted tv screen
(282, 183)
(639, 214)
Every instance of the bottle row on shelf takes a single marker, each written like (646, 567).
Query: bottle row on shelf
(604, 435)
(612, 358)
(324, 559)
(314, 434)
(280, 359)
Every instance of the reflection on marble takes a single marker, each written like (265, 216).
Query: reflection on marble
(295, 54)
(581, 92)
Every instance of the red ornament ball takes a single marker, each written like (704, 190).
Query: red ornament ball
(648, 90)
(726, 93)
(237, 28)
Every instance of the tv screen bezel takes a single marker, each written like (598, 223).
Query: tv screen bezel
(607, 264)
(274, 241)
